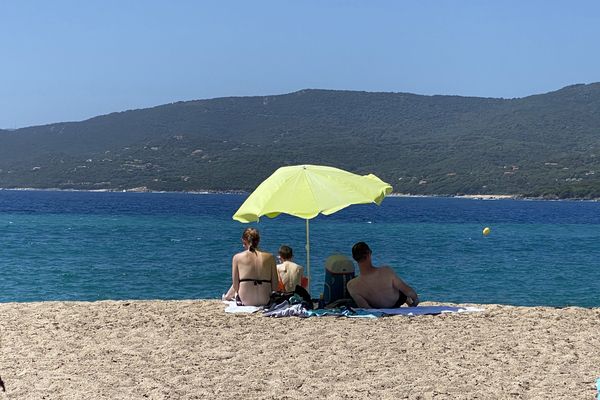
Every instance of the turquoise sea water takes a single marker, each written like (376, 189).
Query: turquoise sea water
(93, 246)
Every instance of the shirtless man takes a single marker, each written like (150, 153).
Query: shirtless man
(378, 287)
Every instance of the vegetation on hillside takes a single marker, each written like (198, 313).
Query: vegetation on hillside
(543, 145)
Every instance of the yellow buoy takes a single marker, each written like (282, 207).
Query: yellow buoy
(486, 231)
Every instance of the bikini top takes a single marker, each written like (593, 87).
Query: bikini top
(256, 281)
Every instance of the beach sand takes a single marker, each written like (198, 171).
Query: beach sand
(193, 350)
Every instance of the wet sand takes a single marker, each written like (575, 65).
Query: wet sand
(193, 350)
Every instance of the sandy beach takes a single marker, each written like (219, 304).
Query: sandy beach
(193, 350)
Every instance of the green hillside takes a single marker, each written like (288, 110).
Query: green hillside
(542, 145)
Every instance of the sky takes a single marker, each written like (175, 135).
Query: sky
(72, 60)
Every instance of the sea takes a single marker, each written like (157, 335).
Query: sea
(89, 246)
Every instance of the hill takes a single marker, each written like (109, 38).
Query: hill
(541, 145)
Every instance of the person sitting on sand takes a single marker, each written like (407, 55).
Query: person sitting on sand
(253, 272)
(290, 273)
(378, 287)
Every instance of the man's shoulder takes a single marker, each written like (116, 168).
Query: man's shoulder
(386, 273)
(385, 269)
(353, 282)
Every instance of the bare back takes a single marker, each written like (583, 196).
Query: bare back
(380, 288)
(254, 276)
(290, 274)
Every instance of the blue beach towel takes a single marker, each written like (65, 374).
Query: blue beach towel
(598, 387)
(343, 312)
(380, 312)
(421, 310)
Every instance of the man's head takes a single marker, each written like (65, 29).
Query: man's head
(360, 251)
(285, 252)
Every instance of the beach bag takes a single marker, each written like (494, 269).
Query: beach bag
(339, 269)
(300, 293)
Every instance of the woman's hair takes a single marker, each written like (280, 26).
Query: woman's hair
(252, 236)
(285, 252)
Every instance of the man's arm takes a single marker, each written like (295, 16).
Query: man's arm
(400, 285)
(358, 299)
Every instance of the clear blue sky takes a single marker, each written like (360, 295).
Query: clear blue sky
(72, 60)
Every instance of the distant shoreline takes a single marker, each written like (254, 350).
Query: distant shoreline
(241, 192)
(130, 190)
(464, 196)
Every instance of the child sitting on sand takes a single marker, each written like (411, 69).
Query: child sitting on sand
(290, 273)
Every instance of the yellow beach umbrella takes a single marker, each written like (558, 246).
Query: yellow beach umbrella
(306, 191)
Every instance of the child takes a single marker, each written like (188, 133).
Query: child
(290, 273)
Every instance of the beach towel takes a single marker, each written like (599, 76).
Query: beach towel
(420, 310)
(382, 312)
(296, 305)
(232, 307)
(342, 312)
(286, 309)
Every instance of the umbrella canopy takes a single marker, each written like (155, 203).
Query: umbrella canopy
(306, 191)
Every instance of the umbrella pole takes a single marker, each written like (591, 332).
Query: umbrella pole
(308, 257)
